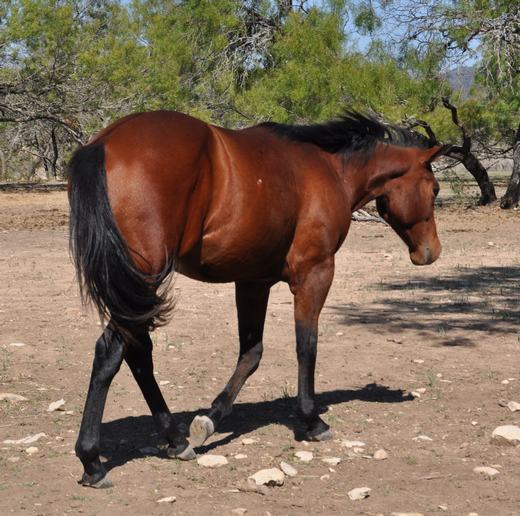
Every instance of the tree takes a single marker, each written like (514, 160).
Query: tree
(455, 30)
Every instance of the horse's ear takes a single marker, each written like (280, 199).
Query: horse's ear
(435, 152)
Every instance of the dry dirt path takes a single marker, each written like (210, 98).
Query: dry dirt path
(388, 328)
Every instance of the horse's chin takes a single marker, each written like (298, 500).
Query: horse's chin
(425, 255)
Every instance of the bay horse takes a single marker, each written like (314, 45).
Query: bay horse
(161, 191)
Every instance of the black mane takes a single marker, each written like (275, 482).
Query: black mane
(352, 132)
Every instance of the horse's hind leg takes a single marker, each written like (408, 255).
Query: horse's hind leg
(251, 301)
(109, 352)
(139, 359)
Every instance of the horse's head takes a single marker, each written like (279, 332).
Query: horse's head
(407, 204)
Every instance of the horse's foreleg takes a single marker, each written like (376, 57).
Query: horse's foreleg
(139, 359)
(310, 291)
(109, 352)
(251, 301)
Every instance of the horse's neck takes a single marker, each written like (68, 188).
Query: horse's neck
(364, 177)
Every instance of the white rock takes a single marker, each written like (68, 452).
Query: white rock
(416, 394)
(332, 461)
(513, 406)
(167, 499)
(249, 440)
(507, 434)
(352, 444)
(421, 390)
(485, 470)
(473, 514)
(17, 344)
(164, 382)
(25, 440)
(239, 511)
(359, 493)
(407, 514)
(289, 470)
(56, 405)
(212, 461)
(240, 456)
(422, 438)
(8, 396)
(380, 454)
(268, 477)
(325, 477)
(31, 450)
(418, 361)
(304, 456)
(505, 382)
(443, 507)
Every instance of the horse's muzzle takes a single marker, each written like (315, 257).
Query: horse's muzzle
(426, 254)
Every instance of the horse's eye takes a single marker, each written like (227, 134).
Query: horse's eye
(436, 190)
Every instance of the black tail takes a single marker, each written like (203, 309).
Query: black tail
(106, 274)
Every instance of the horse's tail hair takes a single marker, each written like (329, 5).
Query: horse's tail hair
(106, 274)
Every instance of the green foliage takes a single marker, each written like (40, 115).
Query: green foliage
(231, 62)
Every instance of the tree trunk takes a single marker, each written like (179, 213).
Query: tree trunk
(477, 170)
(512, 195)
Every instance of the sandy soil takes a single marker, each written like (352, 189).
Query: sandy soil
(388, 328)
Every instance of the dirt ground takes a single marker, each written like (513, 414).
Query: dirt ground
(388, 328)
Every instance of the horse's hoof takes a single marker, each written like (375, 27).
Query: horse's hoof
(186, 454)
(200, 429)
(104, 483)
(325, 435)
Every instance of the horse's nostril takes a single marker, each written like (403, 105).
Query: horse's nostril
(428, 254)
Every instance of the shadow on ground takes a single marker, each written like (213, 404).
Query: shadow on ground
(481, 299)
(139, 432)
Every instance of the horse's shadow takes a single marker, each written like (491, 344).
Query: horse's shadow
(246, 417)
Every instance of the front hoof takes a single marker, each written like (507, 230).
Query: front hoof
(103, 483)
(323, 436)
(200, 429)
(187, 453)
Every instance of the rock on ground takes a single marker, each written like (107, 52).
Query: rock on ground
(167, 499)
(513, 406)
(380, 454)
(485, 470)
(331, 461)
(56, 405)
(304, 456)
(352, 444)
(212, 461)
(359, 493)
(289, 470)
(506, 434)
(269, 477)
(240, 511)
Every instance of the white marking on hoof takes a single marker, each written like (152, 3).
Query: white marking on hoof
(200, 429)
(324, 436)
(104, 483)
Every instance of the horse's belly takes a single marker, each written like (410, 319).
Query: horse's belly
(222, 259)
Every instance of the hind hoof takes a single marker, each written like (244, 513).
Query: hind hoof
(104, 483)
(200, 429)
(186, 454)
